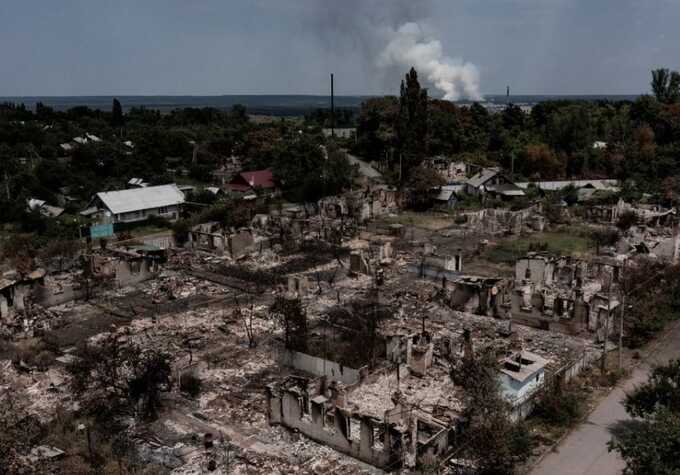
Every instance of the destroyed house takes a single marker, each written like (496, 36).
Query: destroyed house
(16, 292)
(138, 204)
(521, 374)
(402, 436)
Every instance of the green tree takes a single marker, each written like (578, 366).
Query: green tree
(423, 183)
(650, 444)
(666, 85)
(376, 135)
(113, 377)
(117, 114)
(8, 167)
(491, 440)
(412, 124)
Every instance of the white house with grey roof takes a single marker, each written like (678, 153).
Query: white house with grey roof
(138, 204)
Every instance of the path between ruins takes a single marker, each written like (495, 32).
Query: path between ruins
(584, 450)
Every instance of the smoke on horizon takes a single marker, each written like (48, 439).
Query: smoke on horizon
(390, 37)
(409, 46)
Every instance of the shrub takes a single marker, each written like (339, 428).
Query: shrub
(190, 384)
(559, 405)
(460, 219)
(626, 220)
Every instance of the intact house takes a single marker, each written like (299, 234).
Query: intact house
(248, 183)
(138, 204)
(492, 182)
(449, 195)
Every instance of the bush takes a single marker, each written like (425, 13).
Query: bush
(190, 384)
(559, 405)
(604, 237)
(626, 220)
(181, 232)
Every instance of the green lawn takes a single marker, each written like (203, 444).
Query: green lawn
(557, 243)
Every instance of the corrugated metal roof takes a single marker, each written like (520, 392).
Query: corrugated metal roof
(125, 201)
(612, 185)
(482, 177)
(506, 189)
(448, 190)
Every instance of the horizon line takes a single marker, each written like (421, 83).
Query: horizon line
(309, 95)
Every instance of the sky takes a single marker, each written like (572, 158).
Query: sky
(215, 47)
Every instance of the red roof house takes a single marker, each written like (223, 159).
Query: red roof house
(249, 181)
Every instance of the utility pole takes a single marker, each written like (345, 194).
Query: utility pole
(623, 310)
(603, 366)
(332, 106)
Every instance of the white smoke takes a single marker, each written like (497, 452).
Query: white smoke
(409, 46)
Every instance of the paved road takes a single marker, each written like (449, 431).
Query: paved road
(584, 451)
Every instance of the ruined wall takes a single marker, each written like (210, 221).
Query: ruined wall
(135, 271)
(50, 298)
(536, 270)
(319, 366)
(495, 221)
(240, 244)
(333, 427)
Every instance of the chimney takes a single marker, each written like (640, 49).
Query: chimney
(468, 351)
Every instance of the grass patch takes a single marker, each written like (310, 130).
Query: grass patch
(433, 222)
(557, 243)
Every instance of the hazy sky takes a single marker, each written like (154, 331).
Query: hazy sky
(205, 47)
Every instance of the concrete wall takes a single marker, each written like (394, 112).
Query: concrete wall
(48, 298)
(332, 428)
(515, 390)
(319, 367)
(536, 270)
(135, 271)
(125, 273)
(523, 407)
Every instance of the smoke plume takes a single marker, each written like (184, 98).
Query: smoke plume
(409, 46)
(389, 37)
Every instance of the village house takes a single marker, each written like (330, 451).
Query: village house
(491, 181)
(251, 182)
(585, 189)
(138, 204)
(449, 195)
